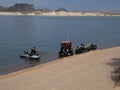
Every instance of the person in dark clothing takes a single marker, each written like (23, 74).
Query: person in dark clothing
(33, 51)
(25, 52)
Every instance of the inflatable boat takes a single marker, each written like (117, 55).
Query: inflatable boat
(27, 56)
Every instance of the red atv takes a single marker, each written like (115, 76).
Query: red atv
(65, 49)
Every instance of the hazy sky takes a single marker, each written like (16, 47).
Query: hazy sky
(72, 5)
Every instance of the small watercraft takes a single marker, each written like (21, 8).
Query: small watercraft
(65, 49)
(27, 56)
(85, 48)
(30, 55)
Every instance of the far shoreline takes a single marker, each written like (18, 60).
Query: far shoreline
(53, 13)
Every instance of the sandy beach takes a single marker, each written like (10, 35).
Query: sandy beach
(60, 13)
(87, 71)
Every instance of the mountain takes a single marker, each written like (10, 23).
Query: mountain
(19, 7)
(2, 8)
(61, 9)
(22, 7)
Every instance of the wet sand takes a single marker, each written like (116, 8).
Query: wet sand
(87, 71)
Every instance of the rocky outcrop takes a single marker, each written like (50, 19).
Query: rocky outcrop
(61, 9)
(2, 8)
(19, 7)
(22, 7)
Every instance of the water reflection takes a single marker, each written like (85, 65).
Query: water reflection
(31, 62)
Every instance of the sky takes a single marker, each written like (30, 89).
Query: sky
(70, 5)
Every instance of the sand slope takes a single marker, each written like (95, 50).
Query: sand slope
(88, 71)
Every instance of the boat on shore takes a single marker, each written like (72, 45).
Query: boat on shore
(65, 49)
(85, 48)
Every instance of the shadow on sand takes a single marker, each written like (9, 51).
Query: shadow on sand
(116, 72)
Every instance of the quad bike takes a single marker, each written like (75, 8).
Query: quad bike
(66, 49)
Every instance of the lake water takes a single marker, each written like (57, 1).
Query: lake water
(19, 33)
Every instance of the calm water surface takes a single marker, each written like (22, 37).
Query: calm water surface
(19, 33)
